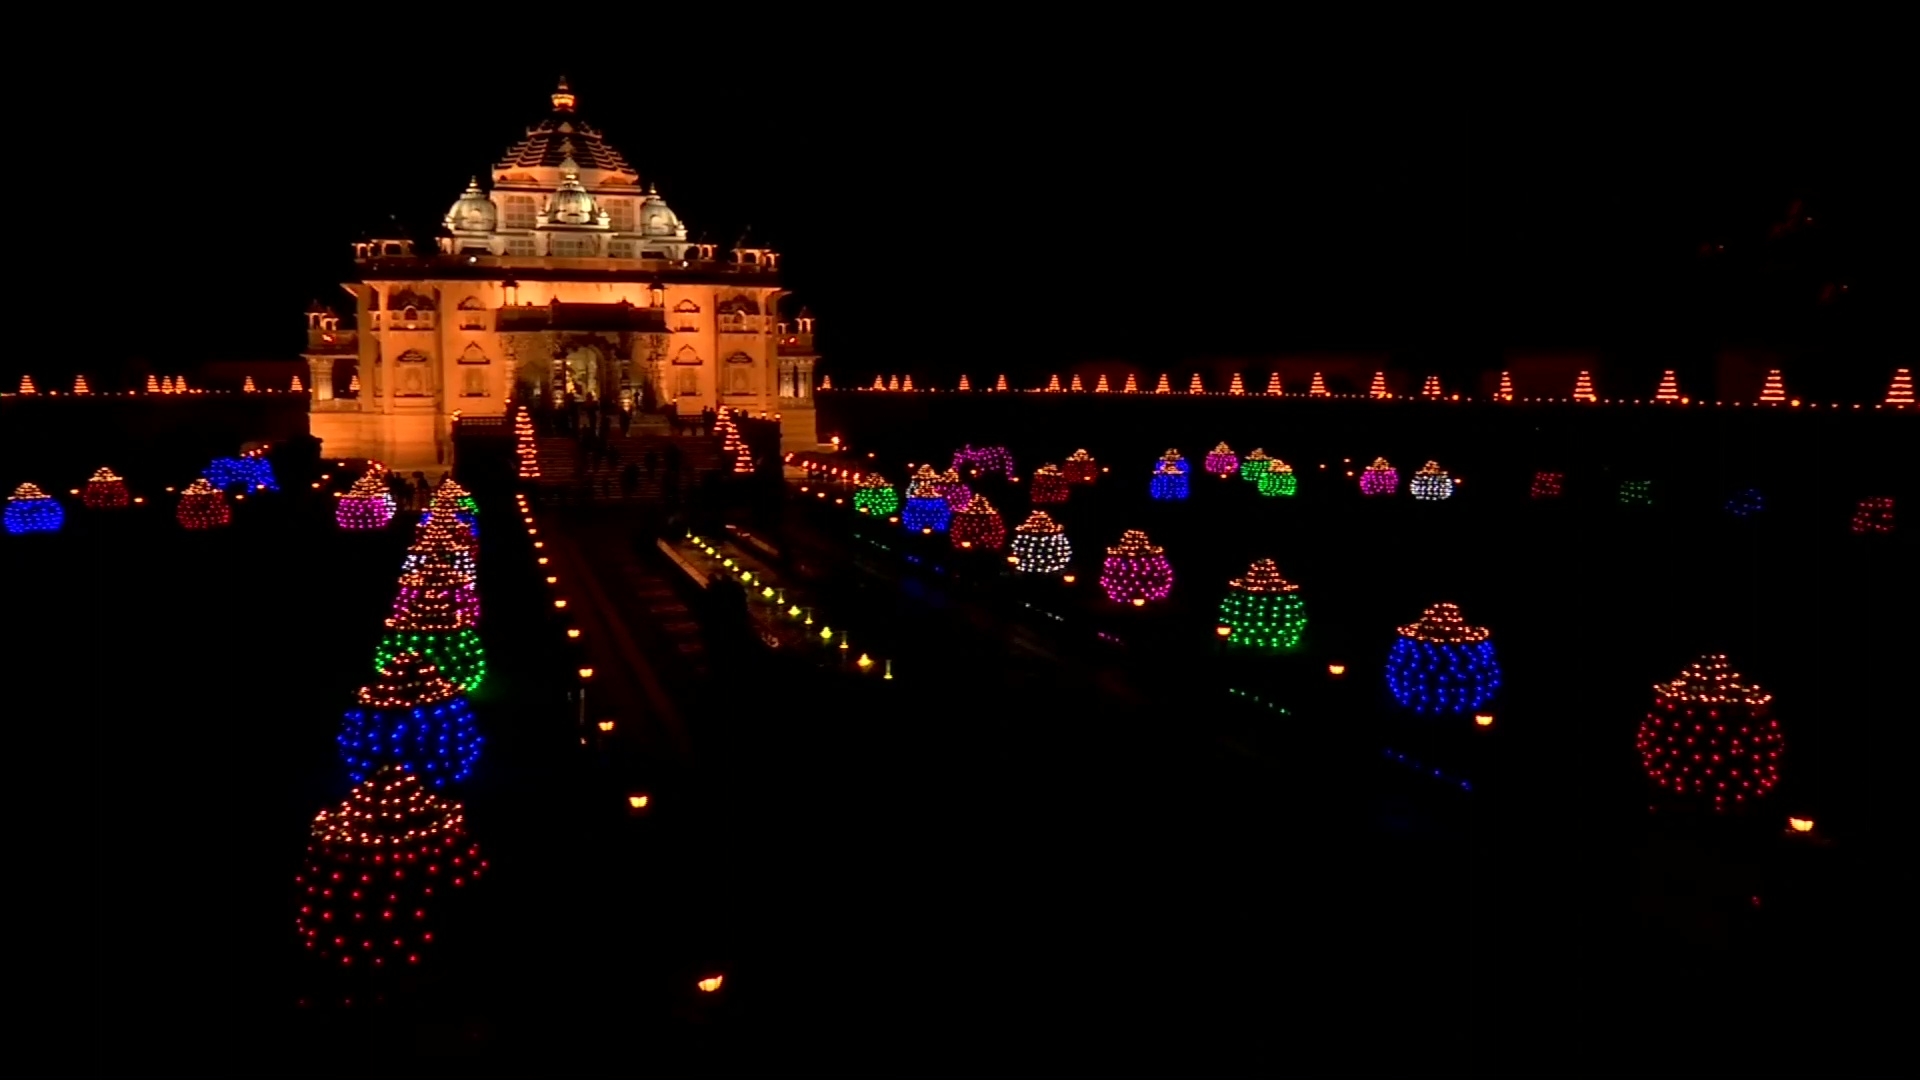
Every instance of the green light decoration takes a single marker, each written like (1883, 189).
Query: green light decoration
(1636, 493)
(457, 654)
(1254, 465)
(1262, 610)
(876, 497)
(1278, 480)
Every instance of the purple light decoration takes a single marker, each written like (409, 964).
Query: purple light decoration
(1220, 461)
(950, 488)
(1136, 571)
(1379, 478)
(367, 505)
(985, 458)
(462, 599)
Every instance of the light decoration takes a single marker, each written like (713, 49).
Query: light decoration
(1505, 392)
(1049, 486)
(1132, 385)
(436, 608)
(80, 384)
(1040, 545)
(1220, 461)
(876, 497)
(906, 383)
(732, 445)
(412, 719)
(1273, 384)
(1900, 390)
(153, 384)
(1746, 503)
(1431, 483)
(1173, 458)
(1583, 388)
(1278, 481)
(375, 866)
(964, 384)
(1053, 384)
(1378, 388)
(1874, 515)
(1169, 483)
(1100, 385)
(524, 446)
(977, 527)
(1711, 738)
(1379, 478)
(1774, 392)
(892, 383)
(1236, 386)
(1253, 465)
(1194, 386)
(1262, 610)
(1442, 665)
(879, 382)
(1000, 383)
(1431, 389)
(166, 384)
(295, 387)
(30, 510)
(367, 505)
(926, 509)
(105, 490)
(1547, 485)
(203, 506)
(953, 489)
(1076, 387)
(26, 385)
(1164, 386)
(246, 385)
(250, 472)
(984, 458)
(1636, 493)
(1669, 387)
(1080, 468)
(1135, 571)
(1318, 387)
(180, 384)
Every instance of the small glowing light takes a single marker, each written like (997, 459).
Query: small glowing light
(542, 560)
(586, 673)
(573, 631)
(1336, 670)
(711, 983)
(1223, 631)
(1483, 719)
(559, 603)
(865, 661)
(551, 580)
(794, 611)
(826, 633)
(1067, 578)
(539, 543)
(1139, 601)
(637, 802)
(1800, 824)
(606, 725)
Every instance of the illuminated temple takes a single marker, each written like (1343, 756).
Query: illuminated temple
(566, 274)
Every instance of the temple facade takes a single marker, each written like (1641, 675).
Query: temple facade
(565, 276)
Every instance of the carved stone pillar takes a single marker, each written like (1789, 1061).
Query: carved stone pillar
(320, 377)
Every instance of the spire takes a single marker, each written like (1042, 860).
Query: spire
(563, 97)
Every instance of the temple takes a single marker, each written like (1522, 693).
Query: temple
(566, 275)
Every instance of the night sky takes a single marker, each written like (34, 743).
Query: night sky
(954, 214)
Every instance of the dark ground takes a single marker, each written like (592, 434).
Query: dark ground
(970, 868)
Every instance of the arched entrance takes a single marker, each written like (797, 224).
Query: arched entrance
(582, 371)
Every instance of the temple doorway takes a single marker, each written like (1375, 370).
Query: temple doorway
(582, 372)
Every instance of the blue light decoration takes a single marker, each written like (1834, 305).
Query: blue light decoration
(414, 720)
(250, 471)
(926, 510)
(1442, 665)
(1169, 477)
(30, 510)
(1747, 503)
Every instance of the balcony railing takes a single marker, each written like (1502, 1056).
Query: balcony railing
(333, 342)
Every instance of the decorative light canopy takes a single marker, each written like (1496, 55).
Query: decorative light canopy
(1277, 481)
(1049, 486)
(1583, 388)
(1169, 481)
(875, 496)
(977, 527)
(1136, 571)
(1874, 515)
(1379, 478)
(1711, 738)
(1669, 389)
(1442, 665)
(985, 458)
(249, 472)
(1262, 610)
(1254, 464)
(1040, 545)
(1774, 391)
(105, 490)
(367, 505)
(1547, 485)
(1080, 468)
(30, 510)
(1431, 483)
(1221, 462)
(414, 720)
(952, 489)
(1900, 390)
(926, 509)
(203, 506)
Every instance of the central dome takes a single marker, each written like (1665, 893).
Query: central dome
(571, 203)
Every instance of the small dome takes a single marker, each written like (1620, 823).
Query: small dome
(571, 204)
(656, 219)
(474, 212)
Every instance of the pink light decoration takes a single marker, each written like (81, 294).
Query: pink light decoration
(1379, 478)
(462, 600)
(367, 505)
(985, 458)
(957, 494)
(1135, 571)
(1221, 461)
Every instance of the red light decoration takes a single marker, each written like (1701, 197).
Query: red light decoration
(1000, 383)
(1100, 386)
(1080, 468)
(1432, 387)
(1774, 391)
(732, 445)
(1273, 383)
(1132, 386)
(1583, 388)
(1900, 390)
(964, 384)
(1547, 485)
(80, 385)
(524, 446)
(1318, 387)
(1710, 738)
(1874, 515)
(1505, 393)
(1669, 387)
(1236, 386)
(376, 868)
(1049, 486)
(203, 506)
(1194, 386)
(1164, 386)
(977, 526)
(26, 385)
(1053, 384)
(1075, 387)
(105, 490)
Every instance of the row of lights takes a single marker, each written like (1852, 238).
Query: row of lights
(778, 597)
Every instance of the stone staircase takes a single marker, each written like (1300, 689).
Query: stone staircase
(561, 467)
